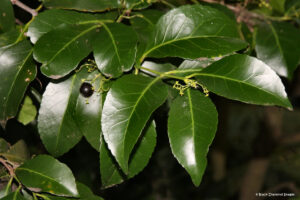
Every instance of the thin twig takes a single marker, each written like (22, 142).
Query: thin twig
(24, 7)
(7, 166)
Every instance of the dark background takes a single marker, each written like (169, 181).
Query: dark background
(256, 149)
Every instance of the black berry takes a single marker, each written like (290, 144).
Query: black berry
(86, 89)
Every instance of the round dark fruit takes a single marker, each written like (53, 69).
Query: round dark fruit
(86, 89)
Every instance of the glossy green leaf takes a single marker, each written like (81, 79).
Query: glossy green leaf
(246, 79)
(61, 49)
(28, 111)
(17, 153)
(47, 174)
(144, 25)
(17, 70)
(57, 127)
(109, 170)
(85, 193)
(88, 110)
(277, 44)
(128, 106)
(115, 49)
(192, 125)
(14, 196)
(7, 18)
(157, 67)
(9, 37)
(86, 5)
(193, 31)
(45, 21)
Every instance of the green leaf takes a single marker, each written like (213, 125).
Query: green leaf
(7, 18)
(61, 49)
(17, 70)
(47, 174)
(17, 153)
(28, 111)
(246, 79)
(127, 107)
(86, 5)
(14, 196)
(193, 31)
(144, 25)
(115, 49)
(277, 44)
(95, 5)
(109, 170)
(9, 37)
(85, 193)
(57, 127)
(45, 21)
(157, 67)
(278, 5)
(88, 110)
(4, 146)
(192, 125)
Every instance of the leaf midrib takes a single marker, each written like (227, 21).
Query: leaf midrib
(38, 173)
(113, 42)
(134, 108)
(64, 114)
(192, 117)
(180, 39)
(240, 82)
(14, 80)
(277, 40)
(70, 42)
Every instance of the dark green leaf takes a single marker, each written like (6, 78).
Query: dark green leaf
(95, 5)
(28, 111)
(17, 153)
(45, 21)
(4, 146)
(9, 37)
(17, 70)
(221, 8)
(128, 106)
(193, 31)
(57, 127)
(277, 44)
(110, 172)
(7, 18)
(115, 49)
(277, 5)
(86, 5)
(88, 110)
(47, 174)
(246, 79)
(14, 196)
(85, 193)
(61, 49)
(157, 67)
(143, 26)
(192, 125)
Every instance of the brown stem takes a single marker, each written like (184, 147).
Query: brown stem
(24, 7)
(242, 14)
(7, 166)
